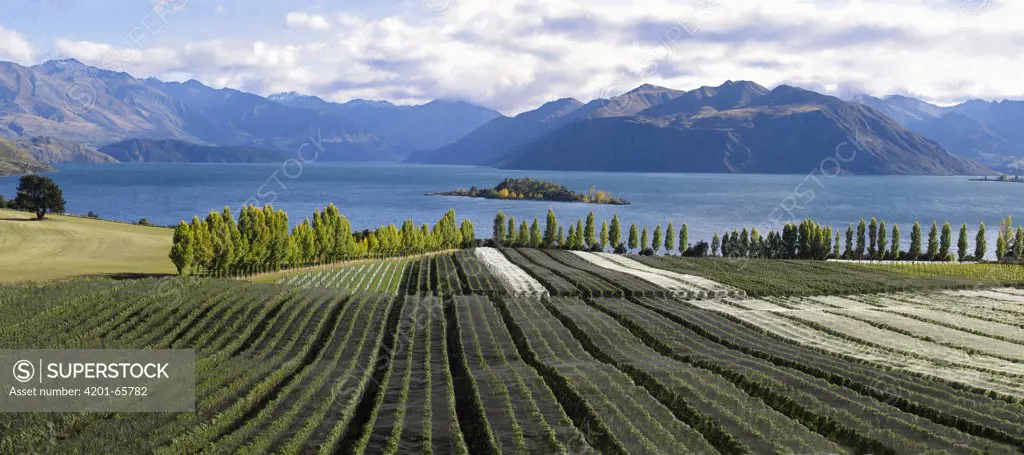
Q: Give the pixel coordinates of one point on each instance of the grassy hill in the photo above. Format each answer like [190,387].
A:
[62,247]
[14,161]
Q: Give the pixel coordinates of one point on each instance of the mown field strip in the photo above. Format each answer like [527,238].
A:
[703,287]
[517,282]
[852,417]
[632,285]
[619,415]
[707,402]
[957,369]
[578,279]
[670,285]
[523,414]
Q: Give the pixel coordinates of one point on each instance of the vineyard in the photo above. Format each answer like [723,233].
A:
[543,351]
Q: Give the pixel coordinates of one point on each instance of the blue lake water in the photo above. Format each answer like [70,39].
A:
[375,194]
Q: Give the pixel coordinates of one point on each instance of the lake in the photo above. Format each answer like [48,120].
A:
[374,194]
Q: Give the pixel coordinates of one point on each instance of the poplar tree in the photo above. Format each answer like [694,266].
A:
[523,238]
[536,239]
[883,240]
[604,235]
[615,232]
[961,244]
[550,230]
[1000,248]
[933,242]
[684,239]
[645,241]
[182,253]
[873,238]
[848,254]
[589,232]
[861,240]
[670,238]
[580,241]
[510,235]
[499,228]
[946,242]
[468,233]
[1018,244]
[570,239]
[980,244]
[915,242]
[716,244]
[561,238]
[656,241]
[894,252]
[634,237]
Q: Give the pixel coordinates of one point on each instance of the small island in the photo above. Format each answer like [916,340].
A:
[535,190]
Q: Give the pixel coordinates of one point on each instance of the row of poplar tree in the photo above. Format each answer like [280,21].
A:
[260,241]
[807,240]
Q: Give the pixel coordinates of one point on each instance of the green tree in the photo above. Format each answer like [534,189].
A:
[716,244]
[510,235]
[589,237]
[536,238]
[961,244]
[645,241]
[561,238]
[1018,244]
[915,242]
[861,240]
[570,239]
[39,195]
[836,247]
[604,235]
[616,232]
[873,238]
[684,239]
[980,244]
[203,244]
[933,242]
[499,228]
[883,240]
[634,237]
[894,252]
[945,242]
[1000,248]
[468,233]
[848,254]
[670,238]
[550,230]
[183,248]
[656,241]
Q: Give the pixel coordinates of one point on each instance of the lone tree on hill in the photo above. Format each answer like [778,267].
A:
[39,195]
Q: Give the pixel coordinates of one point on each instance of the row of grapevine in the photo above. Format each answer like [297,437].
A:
[522,412]
[726,416]
[414,411]
[517,282]
[383,277]
[447,275]
[555,284]
[859,407]
[620,416]
[586,283]
[475,276]
[630,284]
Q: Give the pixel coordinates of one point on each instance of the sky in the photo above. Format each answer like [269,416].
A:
[513,55]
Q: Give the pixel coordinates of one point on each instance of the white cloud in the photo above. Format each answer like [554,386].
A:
[301,19]
[516,54]
[14,47]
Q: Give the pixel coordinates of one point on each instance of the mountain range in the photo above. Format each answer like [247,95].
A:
[985,131]
[66,111]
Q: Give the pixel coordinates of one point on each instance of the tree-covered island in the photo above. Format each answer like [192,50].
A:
[535,190]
